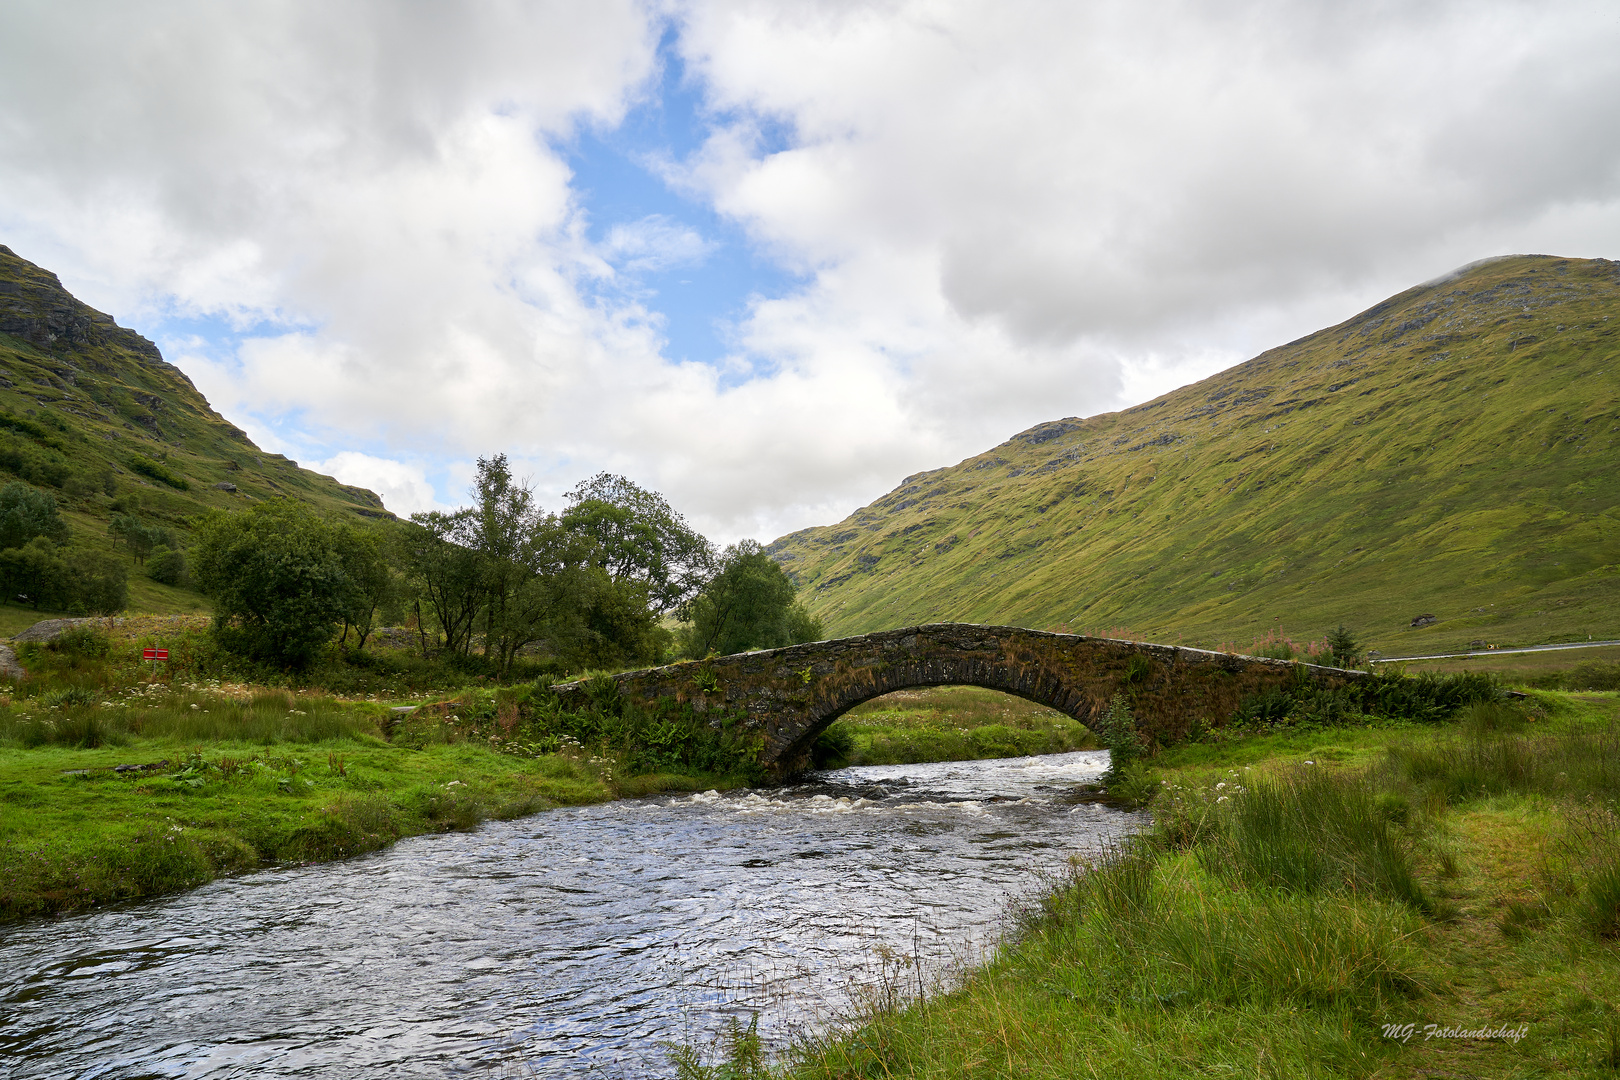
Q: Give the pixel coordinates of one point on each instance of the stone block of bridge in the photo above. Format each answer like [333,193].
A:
[789,696]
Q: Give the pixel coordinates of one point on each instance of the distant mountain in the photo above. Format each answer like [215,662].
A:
[1449,452]
[91,412]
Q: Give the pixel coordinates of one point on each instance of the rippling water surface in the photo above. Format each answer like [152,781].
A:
[569,943]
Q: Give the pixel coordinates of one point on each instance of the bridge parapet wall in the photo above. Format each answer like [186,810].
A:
[790,695]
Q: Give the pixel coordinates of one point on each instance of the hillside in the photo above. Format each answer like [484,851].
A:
[1450,451]
[92,413]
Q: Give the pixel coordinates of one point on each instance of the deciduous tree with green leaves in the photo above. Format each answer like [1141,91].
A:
[748,604]
[638,536]
[26,513]
[277,579]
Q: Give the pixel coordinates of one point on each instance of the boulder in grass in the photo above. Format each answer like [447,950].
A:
[51,629]
[1425,620]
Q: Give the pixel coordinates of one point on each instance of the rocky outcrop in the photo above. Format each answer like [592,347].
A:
[51,629]
[788,696]
[35,307]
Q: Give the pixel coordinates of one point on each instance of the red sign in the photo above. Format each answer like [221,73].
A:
[154,654]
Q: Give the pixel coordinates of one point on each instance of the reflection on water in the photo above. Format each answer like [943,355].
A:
[568,943]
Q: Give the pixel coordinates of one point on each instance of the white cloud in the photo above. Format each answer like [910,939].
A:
[654,243]
[1112,184]
[1004,213]
[404,487]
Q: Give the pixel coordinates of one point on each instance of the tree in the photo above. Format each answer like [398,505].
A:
[503,529]
[372,582]
[26,513]
[100,583]
[167,566]
[447,574]
[276,577]
[139,540]
[39,574]
[1343,647]
[749,604]
[638,536]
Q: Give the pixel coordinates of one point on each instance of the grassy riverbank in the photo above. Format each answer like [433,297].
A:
[1297,892]
[226,779]
[119,782]
[951,723]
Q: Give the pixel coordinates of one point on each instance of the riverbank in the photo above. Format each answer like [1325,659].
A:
[81,826]
[1398,901]
[114,790]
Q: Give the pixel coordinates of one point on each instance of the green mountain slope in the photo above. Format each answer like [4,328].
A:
[1451,451]
[92,413]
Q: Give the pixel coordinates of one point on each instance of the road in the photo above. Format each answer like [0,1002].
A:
[1496,652]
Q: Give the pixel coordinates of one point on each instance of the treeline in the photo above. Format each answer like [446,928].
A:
[39,570]
[617,579]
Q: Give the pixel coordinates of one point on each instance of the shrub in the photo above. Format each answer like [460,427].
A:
[167,566]
[149,468]
[36,467]
[86,641]
[1428,699]
[1119,729]
[832,747]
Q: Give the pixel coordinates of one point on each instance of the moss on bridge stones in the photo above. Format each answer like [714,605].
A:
[788,696]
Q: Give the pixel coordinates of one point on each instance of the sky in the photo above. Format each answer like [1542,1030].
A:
[769,258]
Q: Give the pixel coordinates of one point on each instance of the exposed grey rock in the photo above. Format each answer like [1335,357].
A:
[36,308]
[9,667]
[1425,620]
[51,629]
[224,485]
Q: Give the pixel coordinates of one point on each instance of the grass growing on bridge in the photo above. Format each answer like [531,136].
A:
[950,723]
[1285,907]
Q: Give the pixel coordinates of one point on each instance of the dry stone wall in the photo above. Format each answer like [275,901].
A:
[790,695]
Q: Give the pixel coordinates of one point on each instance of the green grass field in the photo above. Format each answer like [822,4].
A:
[953,723]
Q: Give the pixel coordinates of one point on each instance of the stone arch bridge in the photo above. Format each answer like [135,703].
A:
[790,695]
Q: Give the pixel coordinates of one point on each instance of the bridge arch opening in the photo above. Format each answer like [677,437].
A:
[950,722]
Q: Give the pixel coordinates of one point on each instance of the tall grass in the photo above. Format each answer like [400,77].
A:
[1309,830]
[1490,754]
[1166,930]
[153,711]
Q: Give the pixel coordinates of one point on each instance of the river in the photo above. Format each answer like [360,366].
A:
[570,943]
